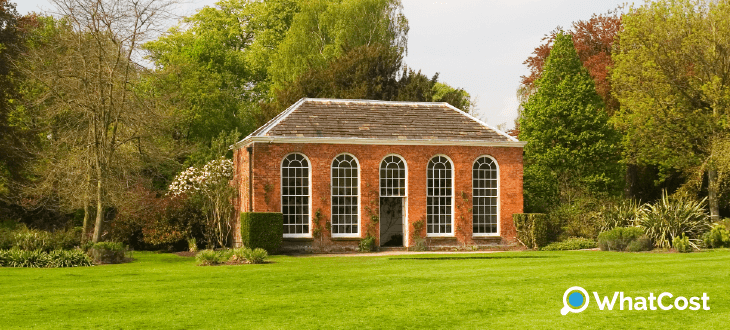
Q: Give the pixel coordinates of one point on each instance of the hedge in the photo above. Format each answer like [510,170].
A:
[262,230]
[532,229]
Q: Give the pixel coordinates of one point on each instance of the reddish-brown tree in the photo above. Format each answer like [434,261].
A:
[593,40]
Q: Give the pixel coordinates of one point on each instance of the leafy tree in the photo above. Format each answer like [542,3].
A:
[593,40]
[373,72]
[671,77]
[214,67]
[324,30]
[97,116]
[570,148]
[13,33]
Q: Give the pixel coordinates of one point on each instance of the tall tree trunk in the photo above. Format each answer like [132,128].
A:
[99,206]
[630,184]
[87,207]
[87,218]
[712,189]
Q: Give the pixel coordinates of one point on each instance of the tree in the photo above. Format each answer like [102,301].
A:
[99,117]
[324,30]
[593,40]
[374,72]
[215,65]
[570,148]
[671,78]
[13,33]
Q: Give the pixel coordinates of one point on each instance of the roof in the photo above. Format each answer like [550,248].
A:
[378,122]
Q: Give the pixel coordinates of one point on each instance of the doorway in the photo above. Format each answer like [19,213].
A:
[391,221]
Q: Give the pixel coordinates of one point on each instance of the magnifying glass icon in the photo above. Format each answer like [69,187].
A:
[575,300]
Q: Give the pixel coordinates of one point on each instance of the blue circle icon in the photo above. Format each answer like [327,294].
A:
[575,299]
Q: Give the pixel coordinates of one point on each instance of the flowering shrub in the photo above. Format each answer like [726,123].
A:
[195,180]
[211,185]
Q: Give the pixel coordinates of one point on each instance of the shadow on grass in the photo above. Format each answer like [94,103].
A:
[479,257]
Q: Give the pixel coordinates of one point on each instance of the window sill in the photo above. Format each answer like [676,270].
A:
[297,239]
[450,236]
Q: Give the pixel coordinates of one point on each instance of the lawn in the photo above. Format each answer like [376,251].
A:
[473,291]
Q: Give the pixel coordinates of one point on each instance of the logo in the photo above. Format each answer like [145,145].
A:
[575,300]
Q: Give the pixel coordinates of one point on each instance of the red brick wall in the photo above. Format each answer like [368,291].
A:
[267,158]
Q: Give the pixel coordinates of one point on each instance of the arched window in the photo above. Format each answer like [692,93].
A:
[393,177]
[485,192]
[295,197]
[439,197]
[345,196]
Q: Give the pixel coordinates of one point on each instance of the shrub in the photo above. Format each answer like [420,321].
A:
[32,240]
[23,258]
[718,237]
[6,239]
[579,219]
[621,214]
[640,244]
[212,257]
[192,245]
[367,244]
[682,244]
[206,258]
[619,238]
[41,259]
[8,224]
[255,256]
[69,258]
[66,239]
[262,230]
[572,243]
[671,217]
[532,229]
[108,252]
[153,222]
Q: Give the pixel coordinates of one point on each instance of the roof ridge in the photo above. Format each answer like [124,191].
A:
[372,101]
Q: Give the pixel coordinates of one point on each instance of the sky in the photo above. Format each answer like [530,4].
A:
[477,45]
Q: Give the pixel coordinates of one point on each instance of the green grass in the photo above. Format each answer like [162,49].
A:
[473,291]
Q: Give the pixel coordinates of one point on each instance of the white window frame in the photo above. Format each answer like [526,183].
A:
[405,181]
[332,196]
[309,191]
[499,200]
[451,215]
[406,224]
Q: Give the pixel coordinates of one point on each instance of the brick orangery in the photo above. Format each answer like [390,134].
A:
[405,173]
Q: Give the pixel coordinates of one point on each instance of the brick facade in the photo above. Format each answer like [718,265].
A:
[266,169]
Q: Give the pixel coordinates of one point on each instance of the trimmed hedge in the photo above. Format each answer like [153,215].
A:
[262,230]
[532,229]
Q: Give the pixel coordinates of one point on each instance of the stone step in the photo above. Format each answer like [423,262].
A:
[392,248]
